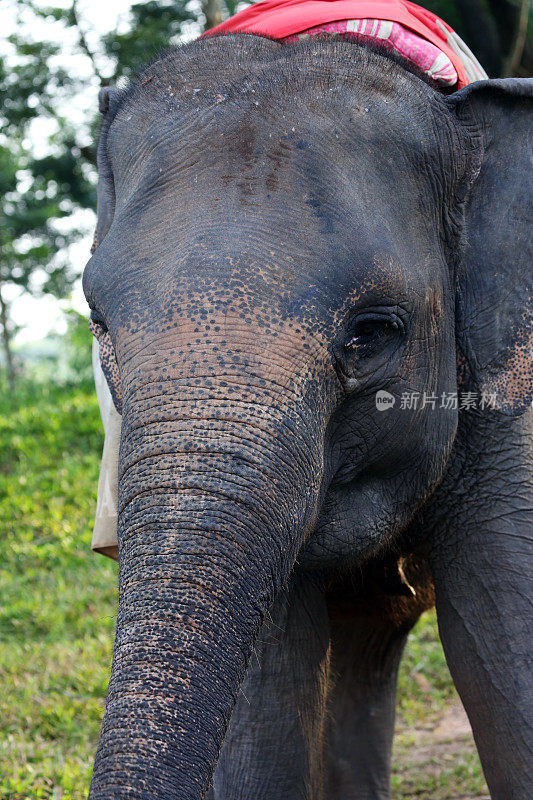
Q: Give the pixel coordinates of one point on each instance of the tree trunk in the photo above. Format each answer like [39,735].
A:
[512,62]
[6,342]
[212,11]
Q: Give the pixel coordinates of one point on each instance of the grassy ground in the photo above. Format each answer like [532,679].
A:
[57,601]
[434,753]
[57,614]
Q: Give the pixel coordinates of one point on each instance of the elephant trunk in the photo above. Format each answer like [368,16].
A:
[213,508]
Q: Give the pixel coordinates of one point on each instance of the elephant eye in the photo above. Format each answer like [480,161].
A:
[370,331]
[97,324]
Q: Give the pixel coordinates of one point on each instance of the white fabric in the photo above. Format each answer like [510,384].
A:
[473,69]
[105,524]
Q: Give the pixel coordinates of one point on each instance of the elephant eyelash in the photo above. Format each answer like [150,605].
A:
[369,331]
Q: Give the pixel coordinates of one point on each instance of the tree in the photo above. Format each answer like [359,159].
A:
[30,242]
[37,194]
[212,11]
[34,192]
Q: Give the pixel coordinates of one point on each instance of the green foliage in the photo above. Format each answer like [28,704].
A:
[153,27]
[35,193]
[77,344]
[38,194]
[27,82]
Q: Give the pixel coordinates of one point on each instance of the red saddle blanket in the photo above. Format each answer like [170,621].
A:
[417,34]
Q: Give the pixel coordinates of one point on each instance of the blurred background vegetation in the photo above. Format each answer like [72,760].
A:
[57,601]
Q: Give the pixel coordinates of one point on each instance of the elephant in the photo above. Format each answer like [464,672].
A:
[310,286]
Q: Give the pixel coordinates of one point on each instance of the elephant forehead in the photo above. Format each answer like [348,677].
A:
[240,105]
[289,218]
[325,168]
[253,149]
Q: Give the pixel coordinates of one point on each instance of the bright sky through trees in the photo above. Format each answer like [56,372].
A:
[37,317]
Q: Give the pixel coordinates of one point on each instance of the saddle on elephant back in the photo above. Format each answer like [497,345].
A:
[415,34]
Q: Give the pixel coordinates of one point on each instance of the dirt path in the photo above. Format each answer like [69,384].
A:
[438,762]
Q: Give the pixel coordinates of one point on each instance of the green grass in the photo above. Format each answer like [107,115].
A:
[57,600]
[457,775]
[58,606]
[425,686]
[425,765]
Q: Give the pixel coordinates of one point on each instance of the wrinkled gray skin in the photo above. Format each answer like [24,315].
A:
[283,230]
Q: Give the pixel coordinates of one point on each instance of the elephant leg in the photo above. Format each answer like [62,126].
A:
[274,744]
[483,566]
[366,653]
[484,590]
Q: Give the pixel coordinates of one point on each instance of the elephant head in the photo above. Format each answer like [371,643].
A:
[283,232]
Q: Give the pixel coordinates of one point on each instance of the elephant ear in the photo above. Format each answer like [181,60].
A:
[105,193]
[107,101]
[494,308]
